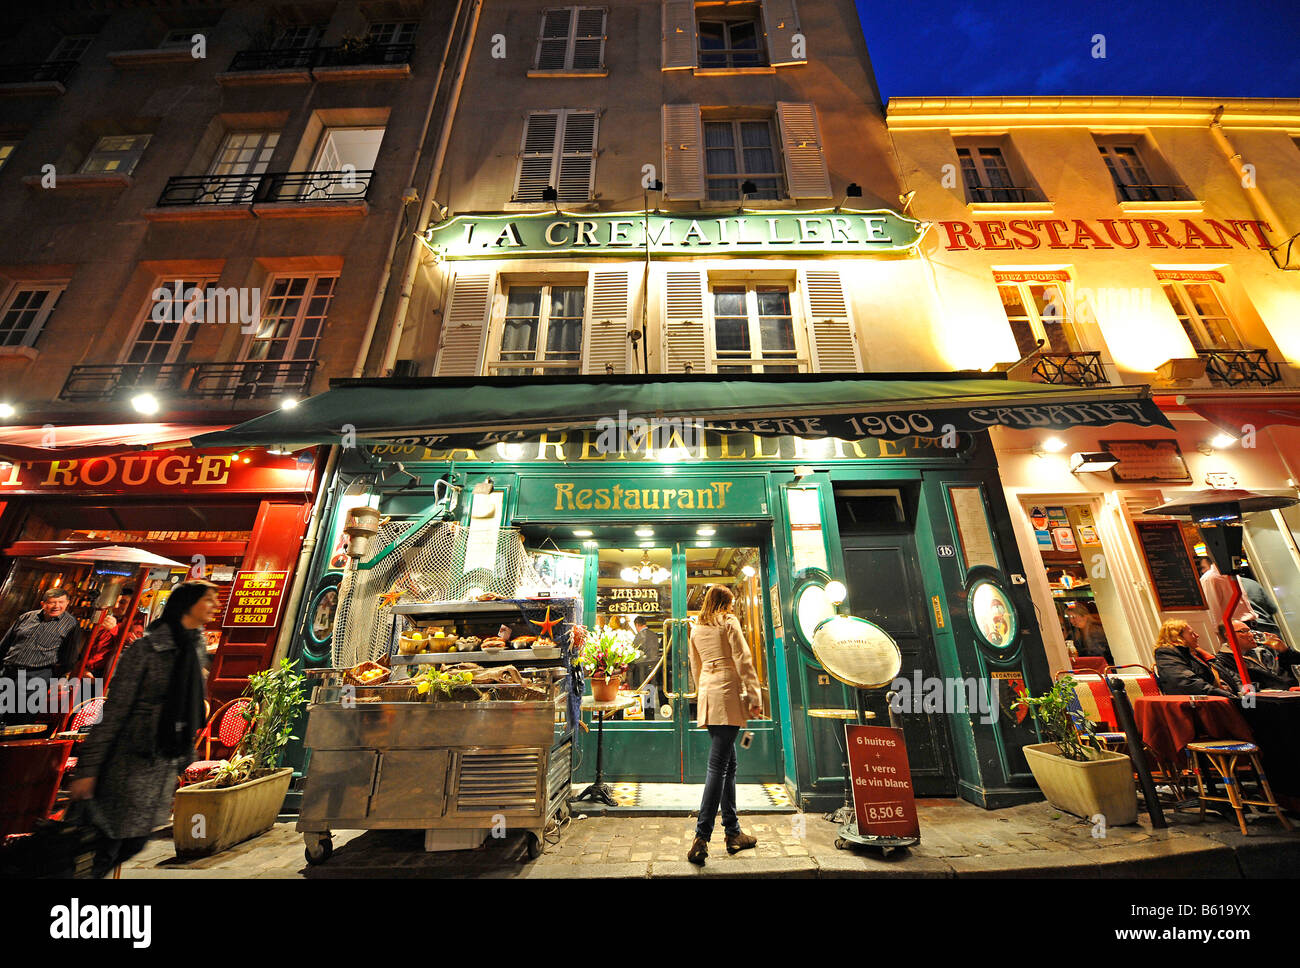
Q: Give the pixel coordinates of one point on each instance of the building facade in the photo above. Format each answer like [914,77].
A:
[1124,241]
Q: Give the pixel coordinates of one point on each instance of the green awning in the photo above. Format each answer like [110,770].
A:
[479,412]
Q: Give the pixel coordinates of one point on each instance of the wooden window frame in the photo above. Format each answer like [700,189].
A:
[727,15]
[132,155]
[738,150]
[294,335]
[32,332]
[495,366]
[756,361]
[571,43]
[1191,319]
[178,347]
[1034,317]
[557,153]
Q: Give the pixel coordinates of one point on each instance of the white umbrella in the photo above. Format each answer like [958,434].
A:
[114,553]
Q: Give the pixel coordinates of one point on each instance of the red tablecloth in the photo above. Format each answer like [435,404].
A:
[1169,723]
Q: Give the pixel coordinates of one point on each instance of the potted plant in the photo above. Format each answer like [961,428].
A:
[1073,771]
[243,796]
[606,654]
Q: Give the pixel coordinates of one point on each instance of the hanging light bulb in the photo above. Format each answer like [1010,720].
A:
[646,571]
[630,575]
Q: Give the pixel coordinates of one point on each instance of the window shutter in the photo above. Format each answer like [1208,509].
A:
[831,335]
[683,152]
[553,44]
[781,21]
[464,324]
[589,39]
[678,34]
[606,333]
[577,156]
[801,143]
[684,328]
[537,156]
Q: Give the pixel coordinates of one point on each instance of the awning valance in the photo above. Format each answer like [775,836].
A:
[50,441]
[479,412]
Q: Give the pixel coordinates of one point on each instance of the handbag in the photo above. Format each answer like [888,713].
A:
[55,849]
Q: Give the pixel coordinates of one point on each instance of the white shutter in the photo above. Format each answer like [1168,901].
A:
[464,324]
[781,21]
[589,39]
[678,34]
[606,333]
[553,42]
[832,338]
[801,144]
[577,156]
[536,156]
[684,329]
[683,152]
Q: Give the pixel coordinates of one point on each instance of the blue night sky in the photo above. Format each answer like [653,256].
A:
[1153,47]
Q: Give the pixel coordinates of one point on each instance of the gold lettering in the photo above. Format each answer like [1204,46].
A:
[13,475]
[110,467]
[562,491]
[182,474]
[632,500]
[645,498]
[706,498]
[589,447]
[547,442]
[686,499]
[726,450]
[602,499]
[758,448]
[722,487]
[212,470]
[148,462]
[584,499]
[669,497]
[57,470]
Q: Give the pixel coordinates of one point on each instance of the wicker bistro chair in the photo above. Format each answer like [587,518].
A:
[1091,701]
[230,727]
[1223,756]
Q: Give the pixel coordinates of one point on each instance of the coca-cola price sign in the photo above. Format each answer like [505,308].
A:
[882,782]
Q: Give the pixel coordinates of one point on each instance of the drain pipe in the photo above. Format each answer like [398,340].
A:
[435,175]
[1249,184]
[358,368]
[289,619]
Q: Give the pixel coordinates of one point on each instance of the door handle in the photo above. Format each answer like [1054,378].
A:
[667,658]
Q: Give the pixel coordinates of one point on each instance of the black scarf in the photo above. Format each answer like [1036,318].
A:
[182,711]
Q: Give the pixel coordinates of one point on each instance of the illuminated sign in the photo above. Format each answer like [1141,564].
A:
[1105,233]
[157,472]
[255,598]
[672,233]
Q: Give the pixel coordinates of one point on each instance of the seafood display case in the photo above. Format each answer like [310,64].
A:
[445,735]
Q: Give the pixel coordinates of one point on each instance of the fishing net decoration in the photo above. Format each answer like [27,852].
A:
[425,566]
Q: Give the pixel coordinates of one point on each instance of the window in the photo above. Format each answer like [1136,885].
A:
[753,329]
[347,155]
[1200,309]
[396,32]
[26,310]
[741,150]
[730,35]
[300,36]
[571,39]
[240,164]
[7,147]
[1037,310]
[1130,176]
[543,328]
[294,310]
[179,37]
[168,325]
[987,177]
[115,153]
[559,151]
[71,48]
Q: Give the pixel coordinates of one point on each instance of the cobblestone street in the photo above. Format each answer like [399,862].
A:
[957,839]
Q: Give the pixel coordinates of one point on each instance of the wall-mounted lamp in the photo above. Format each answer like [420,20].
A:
[1094,462]
[905,200]
[836,592]
[1220,441]
[1052,445]
[549,194]
[747,188]
[854,190]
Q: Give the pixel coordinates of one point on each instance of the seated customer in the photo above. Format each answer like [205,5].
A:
[1269,663]
[1180,668]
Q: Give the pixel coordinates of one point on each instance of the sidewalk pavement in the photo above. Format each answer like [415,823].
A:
[958,839]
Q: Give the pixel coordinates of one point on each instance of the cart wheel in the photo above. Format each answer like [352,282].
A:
[886,851]
[319,851]
[534,845]
[841,843]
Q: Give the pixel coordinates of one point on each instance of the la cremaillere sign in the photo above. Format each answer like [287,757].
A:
[676,233]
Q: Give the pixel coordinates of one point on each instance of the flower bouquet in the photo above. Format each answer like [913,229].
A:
[605,655]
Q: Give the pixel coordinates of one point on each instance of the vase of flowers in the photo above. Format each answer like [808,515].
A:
[606,653]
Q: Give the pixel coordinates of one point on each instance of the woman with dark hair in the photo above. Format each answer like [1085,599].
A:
[129,763]
[729,695]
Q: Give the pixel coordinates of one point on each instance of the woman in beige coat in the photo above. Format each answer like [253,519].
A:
[729,695]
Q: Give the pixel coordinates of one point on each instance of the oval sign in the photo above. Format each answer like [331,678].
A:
[856,652]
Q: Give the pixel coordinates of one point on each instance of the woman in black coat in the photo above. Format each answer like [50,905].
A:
[1180,670]
[128,766]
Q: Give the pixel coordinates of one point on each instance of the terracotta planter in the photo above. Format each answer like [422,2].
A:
[1101,785]
[605,689]
[208,819]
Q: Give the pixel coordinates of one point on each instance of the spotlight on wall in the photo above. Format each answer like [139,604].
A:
[836,592]
[549,194]
[288,403]
[1094,462]
[1052,445]
[145,403]
[7,410]
[905,200]
[854,190]
[747,188]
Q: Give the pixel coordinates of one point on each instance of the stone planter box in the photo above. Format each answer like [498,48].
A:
[208,819]
[1101,785]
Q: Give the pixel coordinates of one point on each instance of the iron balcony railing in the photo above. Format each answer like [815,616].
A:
[1236,368]
[1151,193]
[1082,369]
[990,193]
[209,381]
[306,58]
[271,186]
[37,71]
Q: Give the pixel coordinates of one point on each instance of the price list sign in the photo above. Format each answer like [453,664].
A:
[255,598]
[882,782]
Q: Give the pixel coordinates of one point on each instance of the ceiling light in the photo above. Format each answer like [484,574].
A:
[145,403]
[288,403]
[1094,462]
[582,533]
[836,592]
[748,571]
[708,531]
[7,410]
[629,575]
[1222,441]
[645,532]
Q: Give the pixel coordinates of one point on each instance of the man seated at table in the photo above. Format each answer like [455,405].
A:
[1269,663]
[1181,669]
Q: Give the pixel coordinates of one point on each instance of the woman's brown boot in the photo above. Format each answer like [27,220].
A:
[740,841]
[699,850]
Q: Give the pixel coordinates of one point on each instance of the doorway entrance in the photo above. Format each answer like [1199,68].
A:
[655,590]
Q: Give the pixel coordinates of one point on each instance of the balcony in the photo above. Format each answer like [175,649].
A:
[978,194]
[36,77]
[1151,193]
[1069,369]
[101,383]
[346,61]
[301,187]
[1240,368]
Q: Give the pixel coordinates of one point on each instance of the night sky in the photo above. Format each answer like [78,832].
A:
[1153,47]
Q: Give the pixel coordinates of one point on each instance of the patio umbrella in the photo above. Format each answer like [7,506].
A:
[132,556]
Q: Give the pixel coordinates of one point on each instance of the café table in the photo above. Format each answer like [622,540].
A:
[1274,718]
[22,730]
[598,790]
[1169,723]
[31,769]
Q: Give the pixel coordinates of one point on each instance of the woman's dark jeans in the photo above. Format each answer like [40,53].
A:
[720,785]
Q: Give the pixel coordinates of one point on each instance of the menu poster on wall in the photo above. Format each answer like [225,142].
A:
[973,527]
[807,545]
[484,531]
[560,572]
[255,599]
[1173,574]
[1144,461]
